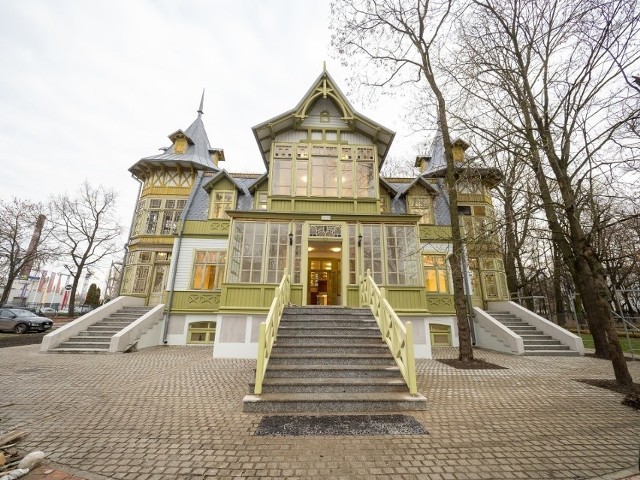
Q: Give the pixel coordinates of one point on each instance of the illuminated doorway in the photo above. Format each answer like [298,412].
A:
[324,279]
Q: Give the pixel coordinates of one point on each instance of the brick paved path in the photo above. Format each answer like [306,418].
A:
[175,412]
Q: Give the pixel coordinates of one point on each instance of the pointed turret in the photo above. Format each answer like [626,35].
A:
[189,149]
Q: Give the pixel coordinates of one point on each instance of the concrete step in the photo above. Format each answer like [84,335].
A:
[86,345]
[526,330]
[316,310]
[110,332]
[542,341]
[324,330]
[332,323]
[324,348]
[334,402]
[98,327]
[278,358]
[77,350]
[90,338]
[546,347]
[536,337]
[331,385]
[119,321]
[289,340]
[551,353]
[342,371]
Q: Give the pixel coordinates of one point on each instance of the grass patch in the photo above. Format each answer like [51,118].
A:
[587,340]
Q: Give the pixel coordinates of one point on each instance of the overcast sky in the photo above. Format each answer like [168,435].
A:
[90,87]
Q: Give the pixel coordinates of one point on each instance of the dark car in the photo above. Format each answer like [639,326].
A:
[18,320]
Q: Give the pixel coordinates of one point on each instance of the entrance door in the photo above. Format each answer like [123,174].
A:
[324,277]
[158,284]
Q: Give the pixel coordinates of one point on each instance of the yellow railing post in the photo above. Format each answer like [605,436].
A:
[260,366]
[411,361]
[397,336]
[269,329]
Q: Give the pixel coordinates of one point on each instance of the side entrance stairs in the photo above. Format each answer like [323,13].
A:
[97,337]
[331,359]
[535,341]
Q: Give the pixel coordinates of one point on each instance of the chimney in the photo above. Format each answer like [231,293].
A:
[217,155]
[33,246]
[458,147]
[422,162]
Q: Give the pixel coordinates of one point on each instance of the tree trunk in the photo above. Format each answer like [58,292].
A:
[557,288]
[7,290]
[510,240]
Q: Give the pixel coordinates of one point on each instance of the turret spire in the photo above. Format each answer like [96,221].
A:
[200,110]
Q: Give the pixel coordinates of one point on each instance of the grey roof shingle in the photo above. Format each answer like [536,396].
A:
[198,154]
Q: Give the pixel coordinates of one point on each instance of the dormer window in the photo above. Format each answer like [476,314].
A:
[180,146]
[325,117]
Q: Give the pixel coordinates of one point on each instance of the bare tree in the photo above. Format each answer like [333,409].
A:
[24,240]
[87,230]
[559,71]
[403,40]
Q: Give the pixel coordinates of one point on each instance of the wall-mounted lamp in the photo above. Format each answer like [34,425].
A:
[360,240]
[291,239]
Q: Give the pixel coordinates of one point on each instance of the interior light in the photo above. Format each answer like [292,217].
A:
[335,249]
[310,249]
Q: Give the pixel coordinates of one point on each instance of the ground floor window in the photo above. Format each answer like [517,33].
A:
[208,269]
[440,335]
[201,332]
[436,275]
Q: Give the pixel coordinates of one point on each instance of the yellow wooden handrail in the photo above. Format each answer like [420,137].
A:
[397,336]
[269,329]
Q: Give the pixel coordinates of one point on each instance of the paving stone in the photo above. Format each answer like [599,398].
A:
[160,411]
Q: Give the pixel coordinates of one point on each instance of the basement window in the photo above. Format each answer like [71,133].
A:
[201,333]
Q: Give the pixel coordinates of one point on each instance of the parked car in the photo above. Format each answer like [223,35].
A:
[18,320]
[46,311]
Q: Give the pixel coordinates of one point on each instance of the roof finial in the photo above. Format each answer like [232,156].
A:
[200,111]
[324,66]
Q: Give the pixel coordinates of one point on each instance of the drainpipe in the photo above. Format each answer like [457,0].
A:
[174,260]
[126,246]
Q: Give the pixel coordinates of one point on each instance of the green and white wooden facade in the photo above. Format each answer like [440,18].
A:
[212,245]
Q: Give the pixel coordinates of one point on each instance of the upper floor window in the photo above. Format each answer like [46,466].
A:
[477,221]
[325,117]
[384,204]
[323,171]
[260,201]
[157,216]
[422,205]
[208,269]
[221,202]
[180,145]
[471,186]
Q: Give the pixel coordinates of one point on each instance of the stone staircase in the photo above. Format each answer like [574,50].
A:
[535,341]
[331,359]
[97,338]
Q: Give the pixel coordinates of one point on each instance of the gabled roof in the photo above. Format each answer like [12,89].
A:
[197,156]
[259,181]
[388,186]
[419,180]
[208,186]
[323,87]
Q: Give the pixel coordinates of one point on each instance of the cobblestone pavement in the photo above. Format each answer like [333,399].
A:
[176,412]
